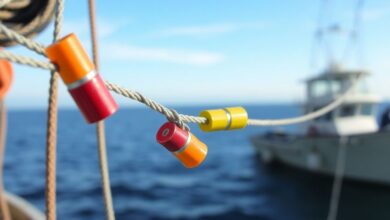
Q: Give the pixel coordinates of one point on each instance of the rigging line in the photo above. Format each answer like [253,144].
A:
[30,44]
[338,178]
[317,36]
[4,54]
[325,31]
[51,135]
[188,118]
[354,35]
[100,130]
[254,122]
[4,209]
[172,116]
[310,116]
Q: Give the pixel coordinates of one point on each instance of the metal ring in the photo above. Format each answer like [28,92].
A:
[82,81]
[229,119]
[185,145]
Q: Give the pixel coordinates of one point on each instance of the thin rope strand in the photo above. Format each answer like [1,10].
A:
[30,44]
[186,118]
[100,130]
[26,60]
[4,209]
[310,116]
[338,178]
[51,138]
[182,119]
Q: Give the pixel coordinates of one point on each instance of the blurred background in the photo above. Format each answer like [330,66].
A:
[194,55]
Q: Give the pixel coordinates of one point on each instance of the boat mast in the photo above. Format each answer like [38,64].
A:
[328,29]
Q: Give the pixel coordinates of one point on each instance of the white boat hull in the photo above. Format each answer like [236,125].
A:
[367,156]
[20,209]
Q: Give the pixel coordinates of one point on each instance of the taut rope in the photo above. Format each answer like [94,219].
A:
[4,209]
[100,131]
[51,136]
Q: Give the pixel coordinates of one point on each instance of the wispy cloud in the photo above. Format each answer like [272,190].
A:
[106,27]
[374,14]
[208,30]
[129,52]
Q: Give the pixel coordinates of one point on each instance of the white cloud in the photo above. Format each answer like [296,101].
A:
[105,27]
[375,14]
[118,51]
[208,30]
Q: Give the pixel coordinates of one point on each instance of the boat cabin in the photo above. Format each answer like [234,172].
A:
[357,115]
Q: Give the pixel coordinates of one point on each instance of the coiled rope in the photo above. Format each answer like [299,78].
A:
[26,17]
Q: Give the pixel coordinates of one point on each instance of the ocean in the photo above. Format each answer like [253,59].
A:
[149,183]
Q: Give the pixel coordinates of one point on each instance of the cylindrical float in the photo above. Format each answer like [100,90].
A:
[224,119]
[6,77]
[185,146]
[84,84]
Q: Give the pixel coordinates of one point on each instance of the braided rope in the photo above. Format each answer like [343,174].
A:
[187,118]
[100,129]
[4,208]
[26,60]
[30,44]
[51,138]
[180,119]
[169,113]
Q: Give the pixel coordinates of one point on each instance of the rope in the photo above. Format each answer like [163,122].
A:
[4,209]
[171,114]
[182,119]
[254,122]
[51,138]
[26,60]
[4,2]
[100,131]
[26,17]
[355,35]
[338,179]
[20,39]
[310,116]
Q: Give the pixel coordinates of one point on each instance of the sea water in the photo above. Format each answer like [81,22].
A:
[149,183]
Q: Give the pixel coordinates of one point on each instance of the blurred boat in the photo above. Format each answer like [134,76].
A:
[20,209]
[353,125]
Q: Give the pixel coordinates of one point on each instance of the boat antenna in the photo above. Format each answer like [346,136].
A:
[326,28]
[354,40]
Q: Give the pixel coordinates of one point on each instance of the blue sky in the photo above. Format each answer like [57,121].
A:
[203,52]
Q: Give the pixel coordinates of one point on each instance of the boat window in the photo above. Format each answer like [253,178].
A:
[347,110]
[335,86]
[319,88]
[367,109]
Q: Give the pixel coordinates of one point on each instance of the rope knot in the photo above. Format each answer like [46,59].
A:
[175,118]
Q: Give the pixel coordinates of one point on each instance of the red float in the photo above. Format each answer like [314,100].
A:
[94,100]
[184,146]
[84,84]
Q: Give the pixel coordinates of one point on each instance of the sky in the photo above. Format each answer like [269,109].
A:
[212,51]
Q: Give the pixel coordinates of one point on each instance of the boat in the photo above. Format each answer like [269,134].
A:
[20,209]
[352,125]
[347,141]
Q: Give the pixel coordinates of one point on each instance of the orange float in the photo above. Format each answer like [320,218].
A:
[188,149]
[6,77]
